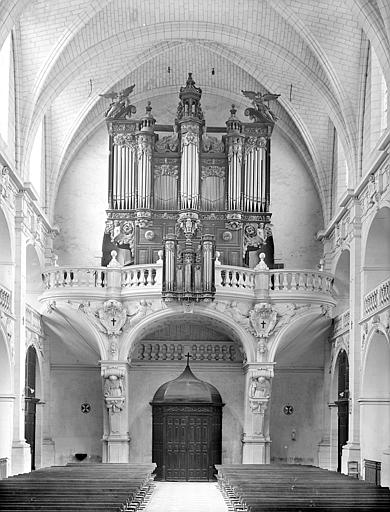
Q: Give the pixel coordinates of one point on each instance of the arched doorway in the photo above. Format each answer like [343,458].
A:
[31,400]
[342,404]
[187,429]
[375,409]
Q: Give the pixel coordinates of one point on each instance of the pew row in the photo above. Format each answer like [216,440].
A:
[272,487]
[82,487]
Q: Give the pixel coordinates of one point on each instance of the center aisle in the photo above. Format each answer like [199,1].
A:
[186,497]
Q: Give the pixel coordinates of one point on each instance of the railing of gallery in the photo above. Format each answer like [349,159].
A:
[32,319]
[341,322]
[278,280]
[149,277]
[5,299]
[377,298]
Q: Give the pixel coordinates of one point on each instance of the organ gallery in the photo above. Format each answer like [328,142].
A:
[195,245]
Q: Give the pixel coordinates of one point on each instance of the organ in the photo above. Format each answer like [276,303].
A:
[191,192]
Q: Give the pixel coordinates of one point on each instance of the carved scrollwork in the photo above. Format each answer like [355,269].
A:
[167,170]
[212,171]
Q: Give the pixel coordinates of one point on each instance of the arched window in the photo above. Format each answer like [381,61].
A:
[5,60]
[378,100]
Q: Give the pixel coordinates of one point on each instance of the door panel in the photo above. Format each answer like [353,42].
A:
[186,442]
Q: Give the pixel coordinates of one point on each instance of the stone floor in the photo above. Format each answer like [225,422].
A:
[186,497]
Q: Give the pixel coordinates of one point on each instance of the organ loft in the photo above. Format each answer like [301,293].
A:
[200,194]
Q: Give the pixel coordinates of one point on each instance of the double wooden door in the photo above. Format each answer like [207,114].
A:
[186,442]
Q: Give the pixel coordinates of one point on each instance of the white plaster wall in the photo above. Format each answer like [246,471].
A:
[72,431]
[144,382]
[82,198]
[81,204]
[295,207]
[303,391]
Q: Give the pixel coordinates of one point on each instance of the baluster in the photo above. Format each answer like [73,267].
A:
[123,278]
[294,284]
[285,281]
[277,283]
[302,281]
[150,277]
[234,279]
[241,280]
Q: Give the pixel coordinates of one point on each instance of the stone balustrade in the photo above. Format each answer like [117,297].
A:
[234,277]
[142,276]
[33,319]
[377,299]
[301,280]
[75,277]
[341,322]
[229,281]
[5,299]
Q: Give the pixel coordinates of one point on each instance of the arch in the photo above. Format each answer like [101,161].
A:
[6,252]
[375,400]
[226,324]
[34,268]
[377,254]
[342,282]
[340,397]
[310,320]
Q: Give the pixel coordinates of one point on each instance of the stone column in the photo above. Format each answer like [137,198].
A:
[256,439]
[116,439]
[21,452]
[351,451]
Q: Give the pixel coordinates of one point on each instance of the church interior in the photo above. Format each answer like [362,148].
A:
[195,237]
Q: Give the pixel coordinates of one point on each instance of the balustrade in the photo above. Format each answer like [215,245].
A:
[300,280]
[227,279]
[234,277]
[32,319]
[5,299]
[341,322]
[141,276]
[377,299]
[75,277]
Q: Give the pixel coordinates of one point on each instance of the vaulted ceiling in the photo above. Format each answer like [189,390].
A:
[313,53]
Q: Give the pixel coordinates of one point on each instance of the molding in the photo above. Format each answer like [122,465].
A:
[232,367]
[374,401]
[76,367]
[286,369]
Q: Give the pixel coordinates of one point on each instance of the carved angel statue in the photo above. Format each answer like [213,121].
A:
[261,112]
[120,106]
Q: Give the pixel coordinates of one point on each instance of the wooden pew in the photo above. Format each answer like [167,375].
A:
[79,487]
[262,488]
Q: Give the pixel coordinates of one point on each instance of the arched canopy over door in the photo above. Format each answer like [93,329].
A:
[187,428]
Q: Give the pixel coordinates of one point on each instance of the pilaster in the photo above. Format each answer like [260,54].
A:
[116,439]
[351,451]
[256,439]
[21,454]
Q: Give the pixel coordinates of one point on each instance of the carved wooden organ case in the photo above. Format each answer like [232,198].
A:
[189,193]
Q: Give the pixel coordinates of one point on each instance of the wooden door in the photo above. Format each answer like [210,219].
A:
[186,441]
[187,447]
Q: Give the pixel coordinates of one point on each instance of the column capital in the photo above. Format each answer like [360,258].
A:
[263,369]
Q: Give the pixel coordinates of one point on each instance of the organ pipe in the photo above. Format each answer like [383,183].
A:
[189,170]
